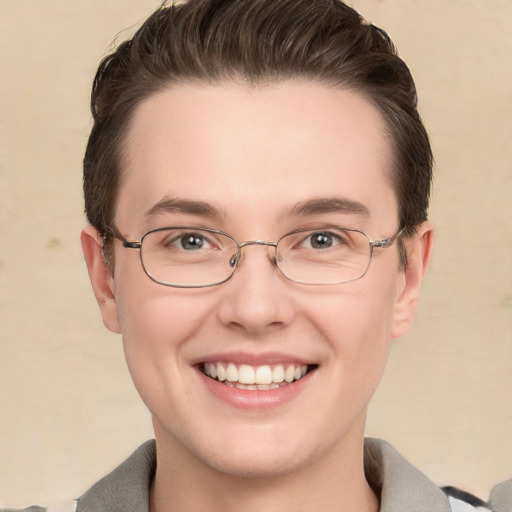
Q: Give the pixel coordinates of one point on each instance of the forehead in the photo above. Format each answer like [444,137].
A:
[255,150]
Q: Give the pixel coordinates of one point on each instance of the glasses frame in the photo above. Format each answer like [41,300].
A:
[235,260]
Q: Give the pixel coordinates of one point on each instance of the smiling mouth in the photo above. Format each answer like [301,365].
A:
[262,378]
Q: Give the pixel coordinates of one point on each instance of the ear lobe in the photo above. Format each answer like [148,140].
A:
[101,278]
[419,250]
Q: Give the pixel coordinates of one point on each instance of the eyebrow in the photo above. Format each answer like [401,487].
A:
[328,205]
[307,208]
[172,204]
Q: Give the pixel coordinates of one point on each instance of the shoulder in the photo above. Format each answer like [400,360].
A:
[462,501]
[500,499]
[126,489]
[402,487]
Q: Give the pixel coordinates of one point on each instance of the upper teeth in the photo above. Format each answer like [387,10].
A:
[246,374]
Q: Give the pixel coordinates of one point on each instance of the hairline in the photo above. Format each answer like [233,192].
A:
[122,149]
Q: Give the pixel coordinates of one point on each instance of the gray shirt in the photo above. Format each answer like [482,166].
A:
[400,486]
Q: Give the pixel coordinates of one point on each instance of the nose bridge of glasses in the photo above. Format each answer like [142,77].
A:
[257,242]
[237,258]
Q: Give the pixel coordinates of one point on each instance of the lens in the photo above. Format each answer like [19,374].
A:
[188,257]
[326,256]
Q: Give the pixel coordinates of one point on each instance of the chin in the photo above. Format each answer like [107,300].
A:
[260,464]
[262,452]
[250,451]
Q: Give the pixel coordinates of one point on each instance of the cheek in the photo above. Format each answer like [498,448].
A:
[156,332]
[155,322]
[152,316]
[357,319]
[357,324]
[157,325]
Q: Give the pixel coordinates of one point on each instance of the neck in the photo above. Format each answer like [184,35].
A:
[335,482]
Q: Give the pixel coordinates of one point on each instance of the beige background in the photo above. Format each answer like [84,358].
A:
[68,411]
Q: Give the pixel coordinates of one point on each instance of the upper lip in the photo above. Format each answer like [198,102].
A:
[253,359]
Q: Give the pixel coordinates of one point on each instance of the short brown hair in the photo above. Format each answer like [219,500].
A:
[257,42]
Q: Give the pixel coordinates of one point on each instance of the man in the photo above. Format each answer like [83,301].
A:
[257,182]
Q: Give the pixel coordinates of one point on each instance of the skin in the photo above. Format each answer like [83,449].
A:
[253,154]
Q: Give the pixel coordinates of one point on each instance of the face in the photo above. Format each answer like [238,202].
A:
[252,155]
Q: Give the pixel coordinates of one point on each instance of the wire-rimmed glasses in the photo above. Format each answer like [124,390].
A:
[190,257]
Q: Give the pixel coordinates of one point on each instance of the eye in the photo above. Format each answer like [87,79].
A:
[192,241]
[188,241]
[321,240]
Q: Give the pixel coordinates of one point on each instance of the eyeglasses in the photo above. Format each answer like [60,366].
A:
[189,257]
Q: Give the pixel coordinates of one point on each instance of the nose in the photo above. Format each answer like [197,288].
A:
[257,298]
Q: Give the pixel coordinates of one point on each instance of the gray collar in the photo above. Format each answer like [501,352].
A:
[126,489]
[401,487]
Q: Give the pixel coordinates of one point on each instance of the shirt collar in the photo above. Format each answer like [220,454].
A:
[401,487]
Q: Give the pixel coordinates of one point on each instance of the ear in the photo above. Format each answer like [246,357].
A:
[101,278]
[419,250]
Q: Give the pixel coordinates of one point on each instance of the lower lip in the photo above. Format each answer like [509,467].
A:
[254,399]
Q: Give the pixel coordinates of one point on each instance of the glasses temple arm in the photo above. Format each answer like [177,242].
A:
[388,241]
[126,243]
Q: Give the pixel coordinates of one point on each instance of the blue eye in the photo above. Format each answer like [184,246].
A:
[191,241]
[186,241]
[321,240]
